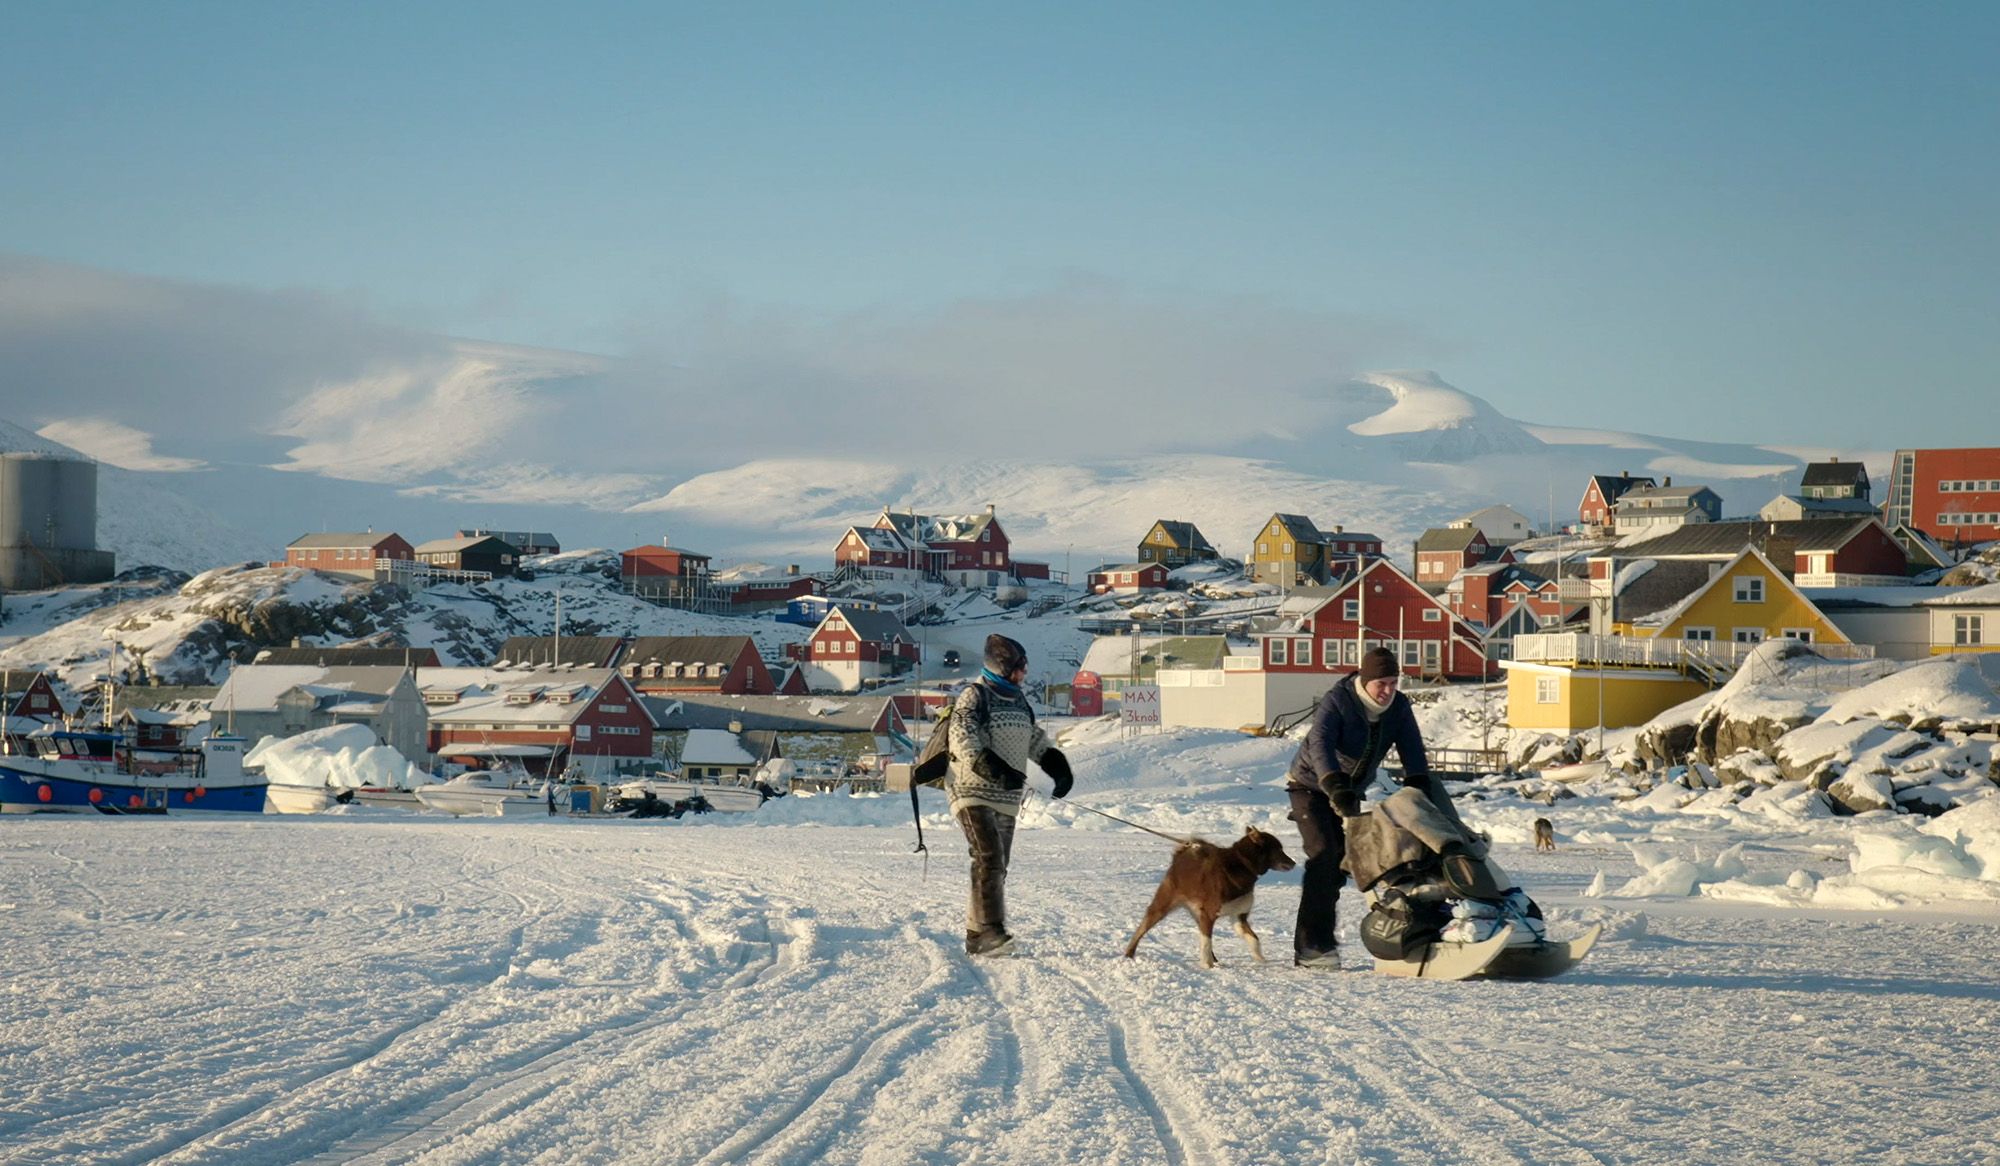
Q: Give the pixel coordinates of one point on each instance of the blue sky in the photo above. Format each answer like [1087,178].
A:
[1763,222]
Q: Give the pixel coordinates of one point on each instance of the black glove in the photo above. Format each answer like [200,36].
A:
[1057,767]
[992,768]
[1346,803]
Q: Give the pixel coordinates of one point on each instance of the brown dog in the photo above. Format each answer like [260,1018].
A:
[1545,835]
[1214,883]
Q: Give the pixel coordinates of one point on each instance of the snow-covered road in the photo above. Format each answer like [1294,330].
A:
[374,987]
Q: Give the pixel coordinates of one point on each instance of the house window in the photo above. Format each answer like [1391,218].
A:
[1802,635]
[1749,635]
[1548,690]
[1302,652]
[1966,630]
[1409,653]
[1749,588]
[1329,652]
[1285,549]
[1263,548]
[1430,655]
[1278,651]
[1433,615]
[1703,635]
[1348,653]
[1350,609]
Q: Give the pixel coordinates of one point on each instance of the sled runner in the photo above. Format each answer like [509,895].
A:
[1541,961]
[1438,907]
[1448,961]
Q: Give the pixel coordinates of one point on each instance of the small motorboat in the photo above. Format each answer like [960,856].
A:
[487,793]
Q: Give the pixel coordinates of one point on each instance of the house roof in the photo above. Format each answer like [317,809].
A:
[518,539]
[340,539]
[782,714]
[876,627]
[484,694]
[929,528]
[1109,567]
[686,649]
[715,747]
[1183,534]
[1835,473]
[1300,528]
[1612,485]
[1659,497]
[257,687]
[1113,656]
[582,651]
[1724,539]
[462,543]
[1447,538]
[341,656]
[877,538]
[657,549]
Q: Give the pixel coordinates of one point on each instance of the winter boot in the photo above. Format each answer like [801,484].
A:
[1321,961]
[992,941]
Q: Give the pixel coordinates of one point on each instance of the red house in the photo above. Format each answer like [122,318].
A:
[1442,552]
[852,646]
[27,708]
[1483,595]
[546,717]
[669,576]
[1398,614]
[726,664]
[1855,554]
[1602,492]
[1127,578]
[347,553]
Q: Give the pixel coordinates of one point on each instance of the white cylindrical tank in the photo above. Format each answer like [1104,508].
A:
[76,505]
[28,493]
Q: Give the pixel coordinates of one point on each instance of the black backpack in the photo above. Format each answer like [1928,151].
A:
[934,760]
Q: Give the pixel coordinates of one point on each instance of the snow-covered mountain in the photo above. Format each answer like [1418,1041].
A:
[1389,452]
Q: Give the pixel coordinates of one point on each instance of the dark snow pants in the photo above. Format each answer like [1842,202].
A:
[989,834]
[1326,848]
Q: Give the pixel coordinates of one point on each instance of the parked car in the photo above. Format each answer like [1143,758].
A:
[951,657]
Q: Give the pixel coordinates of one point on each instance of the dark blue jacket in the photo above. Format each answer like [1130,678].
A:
[1335,756]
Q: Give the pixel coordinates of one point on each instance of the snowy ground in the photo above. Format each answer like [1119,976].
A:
[787,987]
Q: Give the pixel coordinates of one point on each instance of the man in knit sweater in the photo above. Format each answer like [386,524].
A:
[993,737]
[1353,727]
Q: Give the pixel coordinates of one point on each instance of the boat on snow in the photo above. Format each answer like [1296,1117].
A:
[487,793]
[81,771]
[733,799]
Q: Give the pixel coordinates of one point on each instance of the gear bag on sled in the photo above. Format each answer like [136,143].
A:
[1429,881]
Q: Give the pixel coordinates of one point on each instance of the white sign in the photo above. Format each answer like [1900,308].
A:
[1139,704]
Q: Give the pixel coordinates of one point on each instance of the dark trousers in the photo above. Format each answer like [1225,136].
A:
[989,834]
[1326,847]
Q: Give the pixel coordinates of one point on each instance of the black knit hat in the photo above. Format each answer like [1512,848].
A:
[1378,664]
[1005,656]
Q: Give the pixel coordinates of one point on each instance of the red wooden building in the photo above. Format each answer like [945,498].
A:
[1127,578]
[347,552]
[563,714]
[1330,636]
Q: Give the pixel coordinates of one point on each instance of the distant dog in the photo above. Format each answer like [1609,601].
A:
[1212,883]
[1545,835]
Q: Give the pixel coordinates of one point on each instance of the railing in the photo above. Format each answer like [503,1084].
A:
[1707,657]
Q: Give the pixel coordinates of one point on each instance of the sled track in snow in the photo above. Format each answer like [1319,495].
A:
[1175,1142]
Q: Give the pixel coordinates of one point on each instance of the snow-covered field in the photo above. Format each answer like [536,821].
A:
[787,987]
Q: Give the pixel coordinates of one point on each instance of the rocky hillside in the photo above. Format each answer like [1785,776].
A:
[184,630]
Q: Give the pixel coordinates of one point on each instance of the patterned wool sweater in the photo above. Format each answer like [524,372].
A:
[1008,728]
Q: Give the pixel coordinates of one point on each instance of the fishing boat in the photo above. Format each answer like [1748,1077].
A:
[1579,771]
[488,793]
[80,771]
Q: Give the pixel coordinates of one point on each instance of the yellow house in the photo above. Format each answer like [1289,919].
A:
[1747,602]
[1288,550]
[1568,682]
[1575,695]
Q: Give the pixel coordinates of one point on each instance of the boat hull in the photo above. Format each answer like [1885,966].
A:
[301,799]
[729,799]
[483,803]
[32,787]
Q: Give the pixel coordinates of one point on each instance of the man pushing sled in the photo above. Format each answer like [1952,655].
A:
[1438,907]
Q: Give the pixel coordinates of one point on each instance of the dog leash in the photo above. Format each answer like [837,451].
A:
[1136,826]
